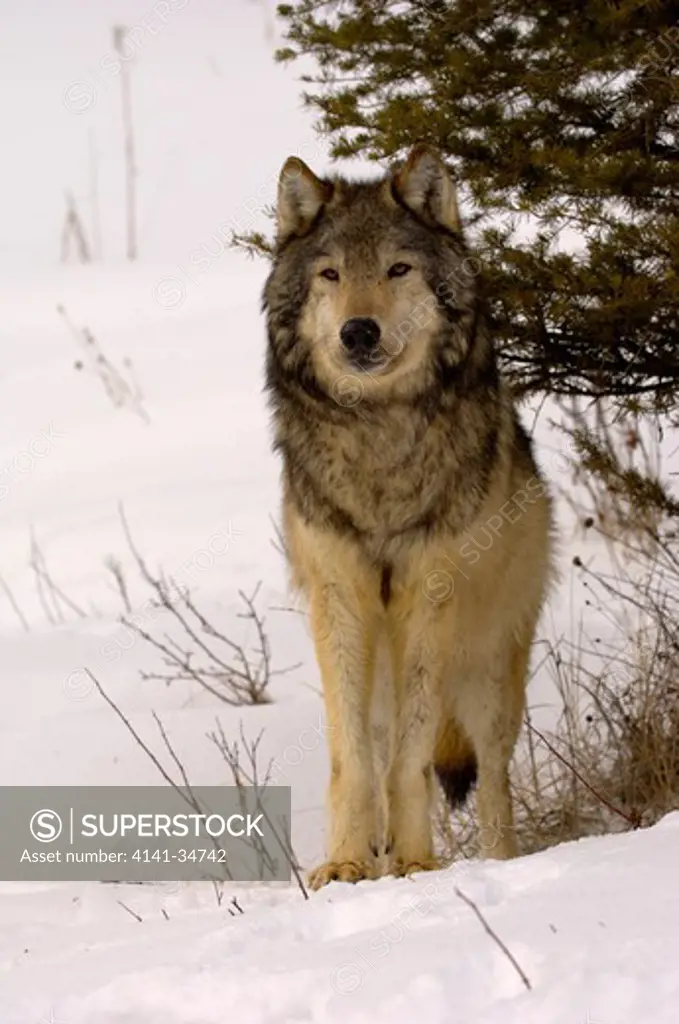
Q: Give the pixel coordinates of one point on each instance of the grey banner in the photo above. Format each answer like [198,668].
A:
[144,833]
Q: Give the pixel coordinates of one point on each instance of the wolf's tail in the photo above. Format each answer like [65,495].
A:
[454,762]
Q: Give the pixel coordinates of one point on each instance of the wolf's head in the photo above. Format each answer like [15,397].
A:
[371,279]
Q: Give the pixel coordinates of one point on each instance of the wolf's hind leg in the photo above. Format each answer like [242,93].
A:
[492,710]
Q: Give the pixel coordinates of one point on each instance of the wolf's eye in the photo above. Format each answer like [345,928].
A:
[330,274]
[399,270]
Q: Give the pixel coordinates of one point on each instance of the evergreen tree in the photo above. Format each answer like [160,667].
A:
[560,121]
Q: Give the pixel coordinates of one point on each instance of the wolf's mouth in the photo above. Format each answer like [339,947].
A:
[374,363]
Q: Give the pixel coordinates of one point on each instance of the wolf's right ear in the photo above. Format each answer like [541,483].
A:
[300,197]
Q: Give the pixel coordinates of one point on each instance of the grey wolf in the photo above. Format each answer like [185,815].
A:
[392,485]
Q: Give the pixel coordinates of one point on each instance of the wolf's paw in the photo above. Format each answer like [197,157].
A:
[401,868]
[340,871]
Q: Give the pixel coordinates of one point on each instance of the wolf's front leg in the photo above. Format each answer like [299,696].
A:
[344,636]
[411,781]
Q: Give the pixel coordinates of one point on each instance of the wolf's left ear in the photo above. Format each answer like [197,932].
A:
[424,186]
[300,197]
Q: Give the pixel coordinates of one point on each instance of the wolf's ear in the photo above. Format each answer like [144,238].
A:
[424,186]
[300,197]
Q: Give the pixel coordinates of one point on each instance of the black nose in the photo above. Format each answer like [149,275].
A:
[360,336]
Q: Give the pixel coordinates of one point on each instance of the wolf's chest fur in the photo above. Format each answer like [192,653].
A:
[383,477]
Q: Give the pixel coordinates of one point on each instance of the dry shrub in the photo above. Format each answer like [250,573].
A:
[201,653]
[612,761]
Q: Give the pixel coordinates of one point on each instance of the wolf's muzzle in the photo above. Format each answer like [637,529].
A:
[360,337]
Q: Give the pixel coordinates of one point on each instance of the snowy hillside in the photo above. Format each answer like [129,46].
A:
[186,451]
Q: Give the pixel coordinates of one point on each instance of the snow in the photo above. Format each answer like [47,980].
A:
[594,925]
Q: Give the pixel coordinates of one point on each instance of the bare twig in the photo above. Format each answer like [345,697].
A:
[13,602]
[116,569]
[121,392]
[634,822]
[249,776]
[73,230]
[219,891]
[132,913]
[131,729]
[43,576]
[496,938]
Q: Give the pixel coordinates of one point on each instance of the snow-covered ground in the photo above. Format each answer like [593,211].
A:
[594,926]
